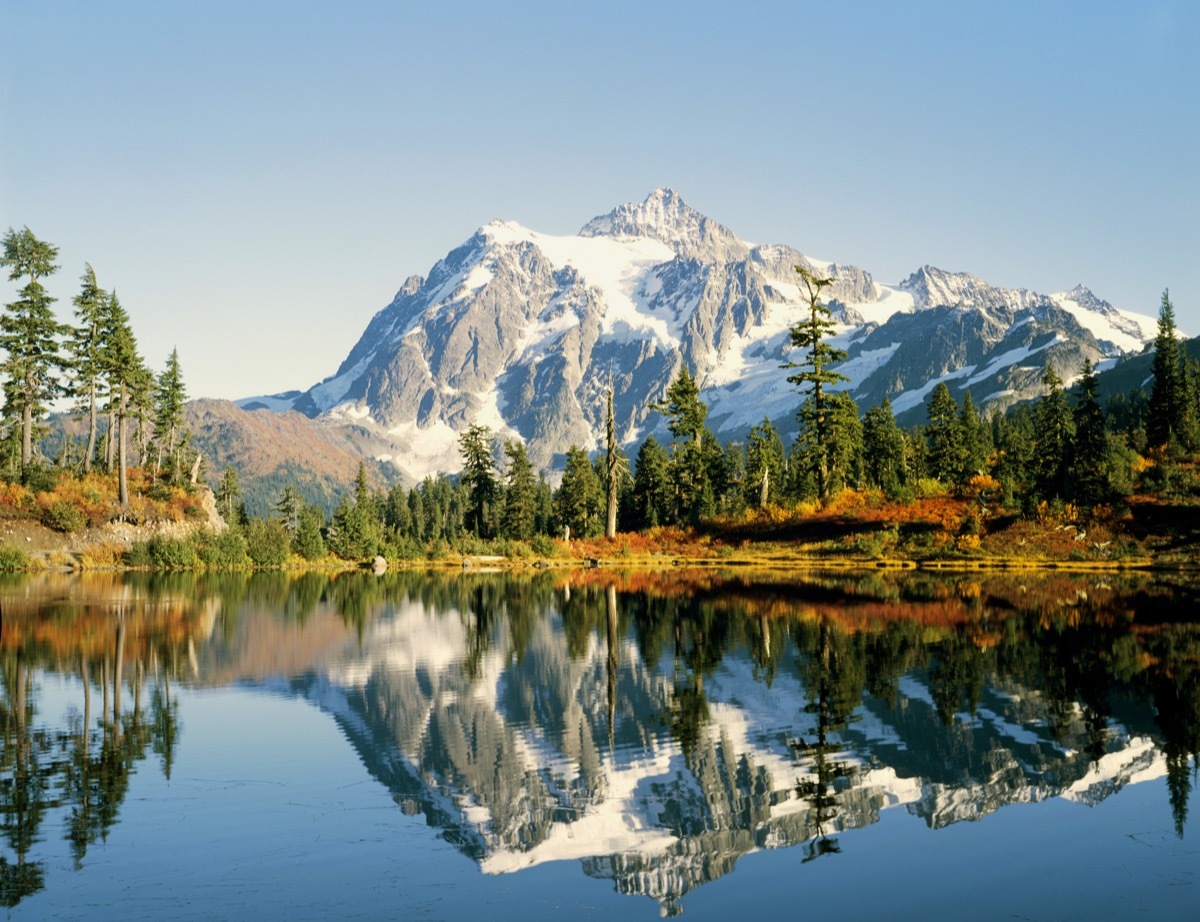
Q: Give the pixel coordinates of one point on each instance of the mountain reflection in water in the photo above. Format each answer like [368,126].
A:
[653,727]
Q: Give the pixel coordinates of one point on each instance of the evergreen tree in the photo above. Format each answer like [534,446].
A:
[1090,463]
[29,333]
[398,513]
[765,458]
[944,436]
[128,378]
[308,541]
[478,479]
[883,450]
[973,442]
[1054,429]
[1171,416]
[85,349]
[228,495]
[289,507]
[416,511]
[520,494]
[1013,436]
[169,399]
[578,502]
[823,465]
[689,468]
[821,422]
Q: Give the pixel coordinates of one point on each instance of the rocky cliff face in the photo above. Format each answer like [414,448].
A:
[524,332]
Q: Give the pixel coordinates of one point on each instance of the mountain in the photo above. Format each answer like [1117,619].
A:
[524,332]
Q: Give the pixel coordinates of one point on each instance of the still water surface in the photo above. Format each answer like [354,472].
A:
[599,745]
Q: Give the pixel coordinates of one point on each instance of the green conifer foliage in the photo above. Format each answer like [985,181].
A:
[944,436]
[520,494]
[579,500]
[29,334]
[652,490]
[824,424]
[1054,429]
[478,480]
[883,450]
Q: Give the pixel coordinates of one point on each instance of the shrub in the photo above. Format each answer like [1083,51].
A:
[268,543]
[13,558]
[138,555]
[171,553]
[65,517]
[545,546]
[226,549]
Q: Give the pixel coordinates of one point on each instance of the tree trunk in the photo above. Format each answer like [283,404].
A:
[610,526]
[91,445]
[123,482]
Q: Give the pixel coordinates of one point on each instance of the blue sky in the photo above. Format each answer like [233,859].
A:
[257,179]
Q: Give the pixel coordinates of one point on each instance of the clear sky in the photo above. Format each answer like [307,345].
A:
[256,179]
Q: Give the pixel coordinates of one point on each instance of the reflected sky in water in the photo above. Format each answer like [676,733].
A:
[598,744]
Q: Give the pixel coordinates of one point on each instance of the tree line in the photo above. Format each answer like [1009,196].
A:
[129,415]
[1066,447]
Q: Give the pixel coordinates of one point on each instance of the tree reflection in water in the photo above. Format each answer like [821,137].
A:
[710,715]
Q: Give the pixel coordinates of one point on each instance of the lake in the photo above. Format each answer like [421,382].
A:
[599,744]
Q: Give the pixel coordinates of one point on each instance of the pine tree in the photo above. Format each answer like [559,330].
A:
[944,436]
[128,378]
[883,450]
[1090,463]
[29,333]
[973,447]
[1054,429]
[228,495]
[651,486]
[764,464]
[288,507]
[478,479]
[689,471]
[818,418]
[85,347]
[308,541]
[1171,417]
[170,396]
[577,504]
[520,494]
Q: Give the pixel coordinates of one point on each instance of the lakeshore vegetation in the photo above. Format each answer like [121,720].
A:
[1063,478]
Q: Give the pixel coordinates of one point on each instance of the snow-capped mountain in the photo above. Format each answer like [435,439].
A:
[524,332]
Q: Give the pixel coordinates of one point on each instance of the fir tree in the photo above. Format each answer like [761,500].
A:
[883,450]
[689,470]
[764,464]
[577,503]
[127,379]
[1089,480]
[308,541]
[478,479]
[288,507]
[1053,431]
[820,421]
[29,333]
[652,489]
[1171,416]
[973,446]
[228,495]
[85,349]
[520,493]
[944,436]
[169,399]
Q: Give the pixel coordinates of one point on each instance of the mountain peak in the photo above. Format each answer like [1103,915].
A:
[666,217]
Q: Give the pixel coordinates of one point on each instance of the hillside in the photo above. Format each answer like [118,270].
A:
[272,450]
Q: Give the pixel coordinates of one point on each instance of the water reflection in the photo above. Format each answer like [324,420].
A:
[653,727]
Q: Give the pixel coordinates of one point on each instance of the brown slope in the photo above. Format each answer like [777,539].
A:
[269,450]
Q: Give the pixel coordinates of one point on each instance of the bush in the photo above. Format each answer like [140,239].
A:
[171,553]
[545,546]
[226,549]
[268,543]
[13,558]
[65,517]
[138,555]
